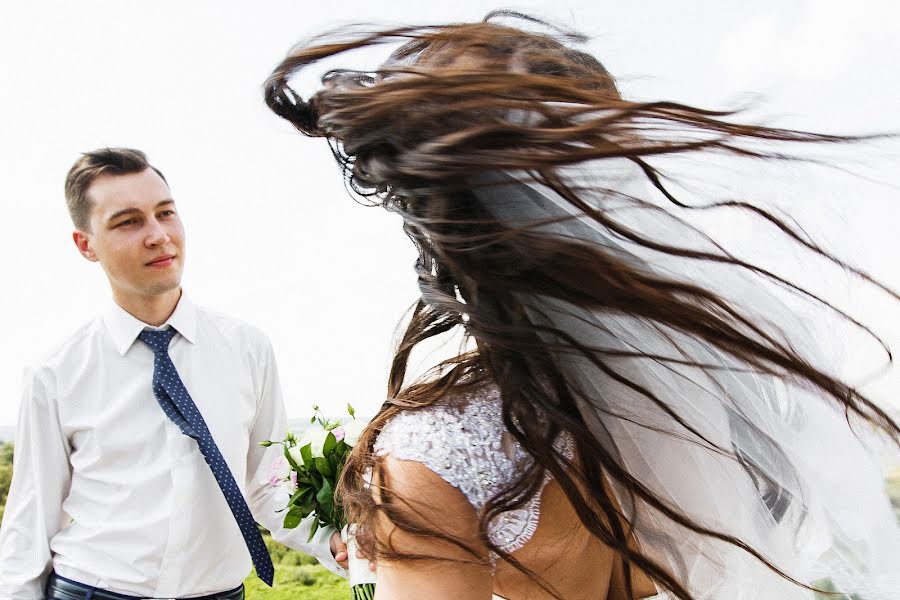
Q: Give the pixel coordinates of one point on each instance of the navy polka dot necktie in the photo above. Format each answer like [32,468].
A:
[178,406]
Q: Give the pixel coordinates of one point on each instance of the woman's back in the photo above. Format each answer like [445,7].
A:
[447,461]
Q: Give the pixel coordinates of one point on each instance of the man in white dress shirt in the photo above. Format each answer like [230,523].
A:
[109,498]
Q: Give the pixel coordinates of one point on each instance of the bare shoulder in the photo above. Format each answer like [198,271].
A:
[431,520]
[425,499]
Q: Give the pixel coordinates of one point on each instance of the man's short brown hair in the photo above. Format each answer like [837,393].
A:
[109,161]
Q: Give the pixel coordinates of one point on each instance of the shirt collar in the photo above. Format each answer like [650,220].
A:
[125,327]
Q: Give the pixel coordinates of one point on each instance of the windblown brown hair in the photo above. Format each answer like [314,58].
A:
[459,101]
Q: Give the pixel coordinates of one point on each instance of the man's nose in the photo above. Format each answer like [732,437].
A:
[157,235]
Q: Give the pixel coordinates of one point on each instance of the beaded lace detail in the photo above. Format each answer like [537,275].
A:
[463,439]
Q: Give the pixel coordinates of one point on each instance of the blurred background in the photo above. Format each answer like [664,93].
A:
[272,235]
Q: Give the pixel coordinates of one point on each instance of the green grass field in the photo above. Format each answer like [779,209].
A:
[297,576]
[293,582]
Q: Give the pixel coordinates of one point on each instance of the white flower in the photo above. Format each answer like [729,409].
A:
[352,430]
[295,454]
[316,440]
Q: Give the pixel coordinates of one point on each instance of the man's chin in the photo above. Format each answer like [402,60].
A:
[164,287]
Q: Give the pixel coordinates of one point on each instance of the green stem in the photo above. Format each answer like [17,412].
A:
[364,591]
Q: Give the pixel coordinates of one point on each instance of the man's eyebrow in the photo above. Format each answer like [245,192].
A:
[127,211]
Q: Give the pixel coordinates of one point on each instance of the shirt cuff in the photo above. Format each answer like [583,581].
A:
[319,546]
[323,535]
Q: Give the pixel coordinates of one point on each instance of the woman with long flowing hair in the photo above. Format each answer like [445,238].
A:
[636,409]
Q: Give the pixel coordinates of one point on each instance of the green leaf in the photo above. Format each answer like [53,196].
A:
[293,517]
[312,530]
[300,494]
[330,443]
[351,411]
[341,448]
[316,478]
[308,504]
[326,498]
[323,467]
[312,419]
[290,459]
[334,461]
[306,453]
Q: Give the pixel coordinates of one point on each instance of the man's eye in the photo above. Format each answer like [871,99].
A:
[125,222]
[167,213]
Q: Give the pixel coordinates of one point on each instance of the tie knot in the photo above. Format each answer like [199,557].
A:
[158,340]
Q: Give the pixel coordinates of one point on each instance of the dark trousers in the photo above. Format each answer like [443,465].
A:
[61,588]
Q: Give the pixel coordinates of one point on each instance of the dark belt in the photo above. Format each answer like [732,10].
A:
[61,588]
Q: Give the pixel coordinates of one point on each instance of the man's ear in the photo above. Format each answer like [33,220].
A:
[83,243]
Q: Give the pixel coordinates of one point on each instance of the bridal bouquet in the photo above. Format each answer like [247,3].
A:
[310,469]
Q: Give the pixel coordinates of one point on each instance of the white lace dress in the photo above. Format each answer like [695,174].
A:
[463,440]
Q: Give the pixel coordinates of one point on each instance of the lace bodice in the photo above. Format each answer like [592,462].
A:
[463,439]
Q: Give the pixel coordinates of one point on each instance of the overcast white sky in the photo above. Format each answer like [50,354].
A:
[272,236]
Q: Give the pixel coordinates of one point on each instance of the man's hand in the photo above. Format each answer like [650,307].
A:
[339,549]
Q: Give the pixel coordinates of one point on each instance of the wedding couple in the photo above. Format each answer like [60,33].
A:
[636,411]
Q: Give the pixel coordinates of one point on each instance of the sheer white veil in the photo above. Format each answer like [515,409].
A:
[766,459]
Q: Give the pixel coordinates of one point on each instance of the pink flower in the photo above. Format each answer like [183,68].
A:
[279,471]
[338,433]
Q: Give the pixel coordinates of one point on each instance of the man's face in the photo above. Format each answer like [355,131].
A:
[136,234]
